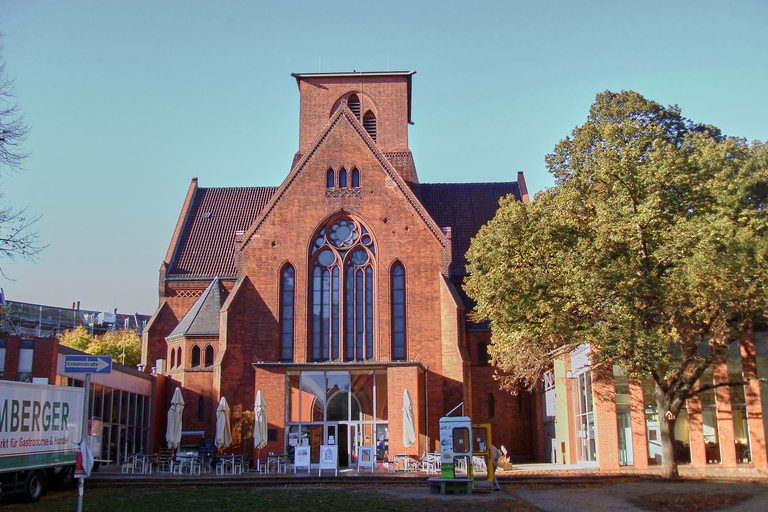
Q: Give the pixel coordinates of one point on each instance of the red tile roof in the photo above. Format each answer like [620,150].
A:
[207,243]
[465,208]
[206,246]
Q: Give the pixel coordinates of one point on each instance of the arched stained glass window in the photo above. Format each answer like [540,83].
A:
[287,292]
[343,256]
[398,312]
[343,178]
[330,179]
[355,178]
[178,357]
[173,358]
[209,355]
[195,356]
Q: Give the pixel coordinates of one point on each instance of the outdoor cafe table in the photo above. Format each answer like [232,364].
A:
[140,463]
[186,463]
[277,462]
[228,464]
[404,462]
[146,460]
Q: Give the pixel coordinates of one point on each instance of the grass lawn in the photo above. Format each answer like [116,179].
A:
[299,499]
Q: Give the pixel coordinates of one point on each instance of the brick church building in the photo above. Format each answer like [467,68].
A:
[336,292]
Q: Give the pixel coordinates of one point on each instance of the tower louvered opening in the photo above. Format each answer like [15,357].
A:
[369,123]
[353,102]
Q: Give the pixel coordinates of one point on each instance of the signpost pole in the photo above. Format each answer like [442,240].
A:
[81,481]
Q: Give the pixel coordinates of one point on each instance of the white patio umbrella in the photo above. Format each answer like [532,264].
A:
[409,430]
[173,430]
[260,421]
[223,430]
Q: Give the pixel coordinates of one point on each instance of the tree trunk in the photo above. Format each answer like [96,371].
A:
[667,420]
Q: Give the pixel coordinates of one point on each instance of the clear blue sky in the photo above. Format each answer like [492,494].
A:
[128,100]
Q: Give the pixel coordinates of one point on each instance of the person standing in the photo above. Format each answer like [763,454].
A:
[496,455]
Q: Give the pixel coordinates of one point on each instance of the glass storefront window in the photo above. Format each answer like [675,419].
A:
[623,417]
[585,419]
[340,404]
[294,397]
[738,408]
[312,396]
[709,420]
[652,428]
[761,348]
[682,438]
[337,393]
[362,391]
[382,401]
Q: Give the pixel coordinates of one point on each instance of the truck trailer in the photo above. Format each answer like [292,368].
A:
[40,428]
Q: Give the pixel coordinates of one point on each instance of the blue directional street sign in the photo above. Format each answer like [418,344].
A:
[87,364]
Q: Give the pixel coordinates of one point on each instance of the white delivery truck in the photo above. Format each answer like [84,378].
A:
[40,428]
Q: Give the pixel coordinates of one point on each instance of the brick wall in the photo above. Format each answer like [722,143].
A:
[386,96]
[604,407]
[271,382]
[44,357]
[399,379]
[637,413]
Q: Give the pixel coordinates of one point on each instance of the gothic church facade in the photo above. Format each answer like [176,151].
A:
[336,294]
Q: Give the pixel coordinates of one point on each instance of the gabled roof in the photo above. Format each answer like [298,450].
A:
[203,318]
[465,208]
[206,242]
[343,114]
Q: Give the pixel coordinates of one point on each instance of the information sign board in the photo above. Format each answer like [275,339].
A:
[329,458]
[87,364]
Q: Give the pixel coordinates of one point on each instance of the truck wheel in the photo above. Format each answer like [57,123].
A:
[34,486]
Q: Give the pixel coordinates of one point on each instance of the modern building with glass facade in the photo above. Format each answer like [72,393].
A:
[598,416]
[336,293]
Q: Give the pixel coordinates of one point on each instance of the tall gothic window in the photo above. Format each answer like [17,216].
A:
[398,312]
[287,289]
[342,265]
[195,356]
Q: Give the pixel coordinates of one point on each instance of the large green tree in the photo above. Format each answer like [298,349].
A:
[124,345]
[652,247]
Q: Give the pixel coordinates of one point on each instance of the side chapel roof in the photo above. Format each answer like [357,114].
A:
[203,317]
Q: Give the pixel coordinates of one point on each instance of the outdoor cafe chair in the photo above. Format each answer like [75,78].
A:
[225,465]
[206,464]
[241,464]
[163,462]
[261,466]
